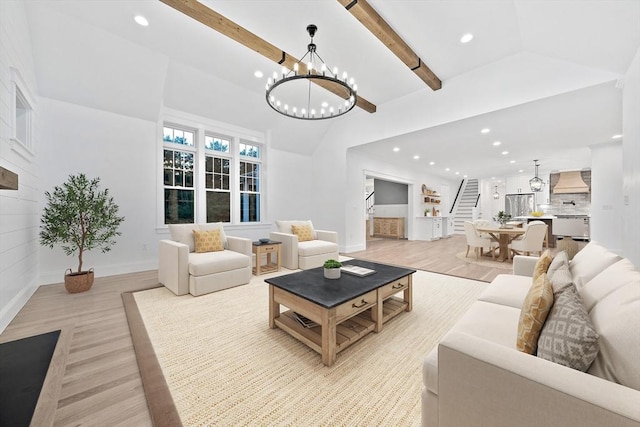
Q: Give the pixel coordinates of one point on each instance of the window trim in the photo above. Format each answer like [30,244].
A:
[19,89]
[202,126]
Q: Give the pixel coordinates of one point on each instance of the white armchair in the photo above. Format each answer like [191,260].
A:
[182,270]
[305,254]
[532,239]
[478,242]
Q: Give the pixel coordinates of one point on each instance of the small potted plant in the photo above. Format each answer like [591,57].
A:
[79,217]
[502,219]
[332,269]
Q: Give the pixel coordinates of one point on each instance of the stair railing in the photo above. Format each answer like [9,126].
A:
[370,202]
[453,205]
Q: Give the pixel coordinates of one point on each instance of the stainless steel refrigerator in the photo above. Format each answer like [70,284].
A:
[519,204]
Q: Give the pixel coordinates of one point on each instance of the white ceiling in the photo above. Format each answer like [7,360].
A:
[92,53]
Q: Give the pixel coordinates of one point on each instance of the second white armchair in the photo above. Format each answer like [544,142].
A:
[303,246]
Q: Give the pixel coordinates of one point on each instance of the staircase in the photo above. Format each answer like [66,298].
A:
[464,207]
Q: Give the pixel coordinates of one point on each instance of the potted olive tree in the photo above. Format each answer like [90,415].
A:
[79,217]
[332,269]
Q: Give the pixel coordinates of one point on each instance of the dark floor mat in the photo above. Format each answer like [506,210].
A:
[23,367]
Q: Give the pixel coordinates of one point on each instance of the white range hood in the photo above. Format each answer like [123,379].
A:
[570,182]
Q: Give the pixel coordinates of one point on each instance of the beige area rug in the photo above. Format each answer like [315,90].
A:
[225,367]
[484,261]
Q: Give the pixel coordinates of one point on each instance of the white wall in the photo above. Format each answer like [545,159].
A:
[631,162]
[119,150]
[606,195]
[19,213]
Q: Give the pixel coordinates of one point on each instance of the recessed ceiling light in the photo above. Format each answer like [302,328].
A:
[141,20]
[504,153]
[324,104]
[258,74]
[447,169]
[457,173]
[416,157]
[432,163]
[493,177]
[466,38]
[396,149]
[485,130]
[520,171]
[464,176]
[496,143]
[512,161]
[617,136]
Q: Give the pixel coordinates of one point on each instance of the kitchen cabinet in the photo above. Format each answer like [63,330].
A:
[428,227]
[447,226]
[518,184]
[388,227]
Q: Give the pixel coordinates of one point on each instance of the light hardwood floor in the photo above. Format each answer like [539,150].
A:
[99,381]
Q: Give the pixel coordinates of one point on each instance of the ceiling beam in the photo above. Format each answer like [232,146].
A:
[368,16]
[214,20]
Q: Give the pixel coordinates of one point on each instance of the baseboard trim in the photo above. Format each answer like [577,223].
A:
[55,277]
[10,311]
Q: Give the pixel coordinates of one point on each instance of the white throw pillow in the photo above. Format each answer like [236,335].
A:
[589,262]
[183,233]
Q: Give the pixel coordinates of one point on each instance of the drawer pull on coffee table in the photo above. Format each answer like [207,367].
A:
[362,304]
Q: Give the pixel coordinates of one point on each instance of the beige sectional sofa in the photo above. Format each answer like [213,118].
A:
[477,377]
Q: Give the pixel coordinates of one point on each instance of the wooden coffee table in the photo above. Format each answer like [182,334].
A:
[345,309]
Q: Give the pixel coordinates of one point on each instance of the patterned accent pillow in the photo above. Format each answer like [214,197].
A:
[561,259]
[535,309]
[568,337]
[561,279]
[542,264]
[208,241]
[304,232]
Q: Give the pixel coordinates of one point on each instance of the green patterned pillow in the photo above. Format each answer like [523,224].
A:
[568,337]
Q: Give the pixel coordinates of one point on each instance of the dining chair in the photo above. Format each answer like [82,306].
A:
[478,242]
[531,241]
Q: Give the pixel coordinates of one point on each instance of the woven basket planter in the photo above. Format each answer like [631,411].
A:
[78,282]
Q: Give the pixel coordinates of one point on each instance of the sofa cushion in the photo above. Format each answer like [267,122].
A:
[561,259]
[207,241]
[183,233]
[304,232]
[215,226]
[316,247]
[590,261]
[534,312]
[285,226]
[613,301]
[507,289]
[486,320]
[216,262]
[542,264]
[568,337]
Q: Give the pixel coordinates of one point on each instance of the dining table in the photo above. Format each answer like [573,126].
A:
[504,236]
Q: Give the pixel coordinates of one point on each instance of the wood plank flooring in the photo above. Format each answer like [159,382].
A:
[99,380]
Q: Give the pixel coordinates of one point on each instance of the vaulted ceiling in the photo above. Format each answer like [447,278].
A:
[554,64]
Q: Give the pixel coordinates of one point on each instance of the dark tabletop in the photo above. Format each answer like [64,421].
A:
[311,284]
[270,242]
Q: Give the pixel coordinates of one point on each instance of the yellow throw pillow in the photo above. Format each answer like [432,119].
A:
[208,241]
[304,232]
[535,308]
[542,265]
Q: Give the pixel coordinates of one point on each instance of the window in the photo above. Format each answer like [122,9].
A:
[178,165]
[249,192]
[22,106]
[210,177]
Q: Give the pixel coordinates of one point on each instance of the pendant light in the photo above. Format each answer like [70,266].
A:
[536,183]
[496,195]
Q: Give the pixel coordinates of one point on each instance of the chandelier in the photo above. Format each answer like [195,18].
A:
[292,93]
[536,183]
[496,195]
